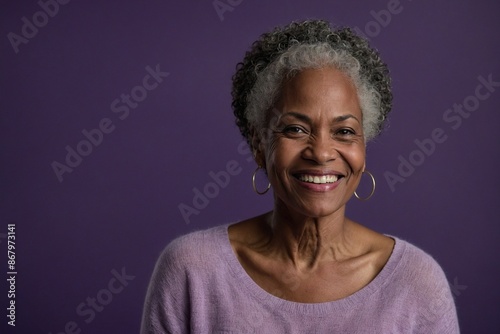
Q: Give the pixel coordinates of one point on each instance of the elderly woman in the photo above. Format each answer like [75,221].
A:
[307,99]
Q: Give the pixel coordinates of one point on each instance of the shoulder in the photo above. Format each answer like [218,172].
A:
[188,256]
[418,268]
[418,264]
[425,285]
[195,248]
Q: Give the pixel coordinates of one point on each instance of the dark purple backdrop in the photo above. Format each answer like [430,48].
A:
[65,72]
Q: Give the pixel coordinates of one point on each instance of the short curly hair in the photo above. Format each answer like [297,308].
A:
[284,52]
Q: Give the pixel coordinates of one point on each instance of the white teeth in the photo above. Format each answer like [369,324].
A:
[319,179]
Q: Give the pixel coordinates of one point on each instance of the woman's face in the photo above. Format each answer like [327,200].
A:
[315,152]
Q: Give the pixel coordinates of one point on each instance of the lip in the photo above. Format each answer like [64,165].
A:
[318,187]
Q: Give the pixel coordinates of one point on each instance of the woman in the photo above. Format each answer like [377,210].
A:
[307,99]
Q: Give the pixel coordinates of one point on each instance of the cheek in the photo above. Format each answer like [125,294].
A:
[279,156]
[274,157]
[272,149]
[355,157]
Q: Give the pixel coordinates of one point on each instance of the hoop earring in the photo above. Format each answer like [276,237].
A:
[373,189]
[255,187]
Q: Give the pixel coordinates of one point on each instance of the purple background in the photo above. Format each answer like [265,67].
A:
[120,206]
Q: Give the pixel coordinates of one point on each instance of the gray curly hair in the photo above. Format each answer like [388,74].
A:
[284,52]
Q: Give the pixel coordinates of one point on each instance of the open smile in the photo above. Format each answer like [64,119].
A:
[319,181]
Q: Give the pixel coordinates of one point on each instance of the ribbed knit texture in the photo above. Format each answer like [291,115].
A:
[199,286]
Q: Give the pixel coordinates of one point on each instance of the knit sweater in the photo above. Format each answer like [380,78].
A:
[199,286]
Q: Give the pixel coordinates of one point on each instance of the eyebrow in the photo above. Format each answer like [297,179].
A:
[345,117]
[307,119]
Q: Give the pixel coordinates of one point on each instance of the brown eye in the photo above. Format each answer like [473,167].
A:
[345,132]
[293,129]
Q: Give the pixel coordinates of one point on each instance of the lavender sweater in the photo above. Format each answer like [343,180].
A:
[199,286]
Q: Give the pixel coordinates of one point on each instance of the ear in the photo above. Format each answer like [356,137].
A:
[257,148]
[260,158]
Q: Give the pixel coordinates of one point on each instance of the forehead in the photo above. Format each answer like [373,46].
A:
[320,89]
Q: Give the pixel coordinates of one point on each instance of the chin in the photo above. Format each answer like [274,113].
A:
[319,211]
[315,205]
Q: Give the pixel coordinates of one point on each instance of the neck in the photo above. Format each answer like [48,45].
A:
[306,241]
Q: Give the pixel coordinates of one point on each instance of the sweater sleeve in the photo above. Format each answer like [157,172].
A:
[437,312]
[441,315]
[166,309]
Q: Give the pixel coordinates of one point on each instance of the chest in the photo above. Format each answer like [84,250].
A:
[328,282]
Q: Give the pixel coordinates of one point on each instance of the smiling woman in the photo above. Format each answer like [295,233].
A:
[307,99]
[317,135]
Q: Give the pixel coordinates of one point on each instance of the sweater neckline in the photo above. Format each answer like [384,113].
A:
[324,308]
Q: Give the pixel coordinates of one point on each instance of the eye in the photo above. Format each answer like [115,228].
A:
[345,132]
[294,129]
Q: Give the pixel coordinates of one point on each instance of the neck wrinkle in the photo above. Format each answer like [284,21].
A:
[306,241]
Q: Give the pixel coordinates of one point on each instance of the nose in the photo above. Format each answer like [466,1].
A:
[320,149]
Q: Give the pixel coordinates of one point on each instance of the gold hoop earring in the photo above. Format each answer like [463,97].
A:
[373,189]
[255,187]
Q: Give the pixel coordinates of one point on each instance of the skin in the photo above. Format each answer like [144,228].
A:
[306,250]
